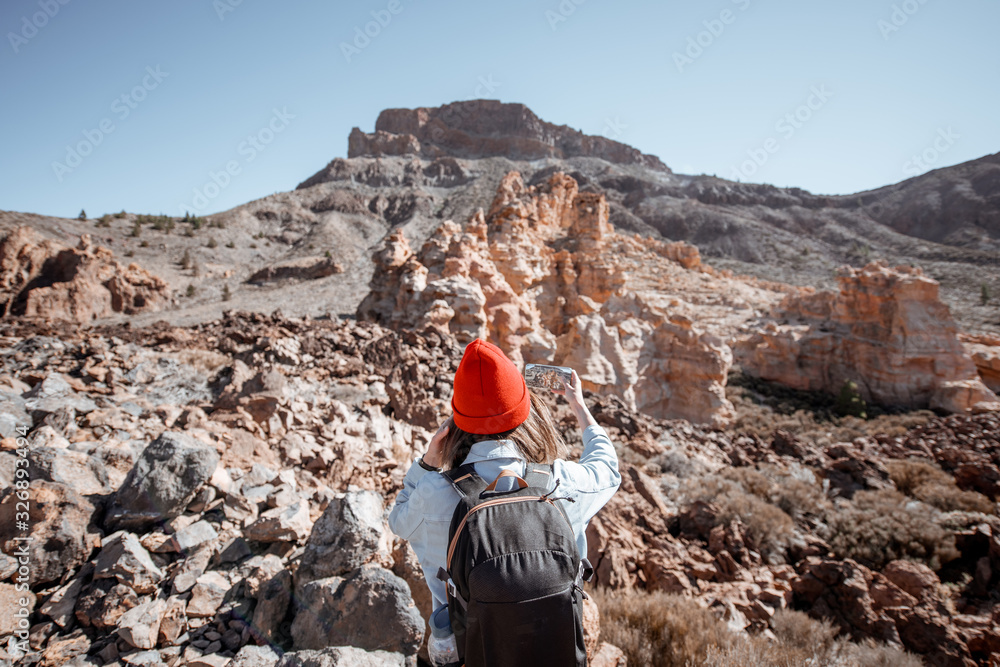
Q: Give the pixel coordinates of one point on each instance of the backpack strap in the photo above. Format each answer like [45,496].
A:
[465,480]
[538,474]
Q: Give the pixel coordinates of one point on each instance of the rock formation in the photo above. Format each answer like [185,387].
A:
[985,353]
[42,278]
[886,330]
[484,128]
[545,276]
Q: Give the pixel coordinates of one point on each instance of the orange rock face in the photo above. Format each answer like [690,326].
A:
[886,330]
[985,353]
[44,279]
[545,276]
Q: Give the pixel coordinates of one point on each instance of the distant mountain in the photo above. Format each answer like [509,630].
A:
[423,166]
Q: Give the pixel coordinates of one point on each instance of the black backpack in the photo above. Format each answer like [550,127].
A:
[514,574]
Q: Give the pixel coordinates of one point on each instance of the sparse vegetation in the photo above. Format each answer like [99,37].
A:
[186,260]
[190,290]
[926,482]
[984,294]
[850,402]
[769,529]
[230,244]
[884,525]
[664,630]
[121,214]
[659,630]
[144,244]
[225,292]
[136,229]
[211,242]
[805,641]
[763,407]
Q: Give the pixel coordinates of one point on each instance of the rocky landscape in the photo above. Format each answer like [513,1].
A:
[810,459]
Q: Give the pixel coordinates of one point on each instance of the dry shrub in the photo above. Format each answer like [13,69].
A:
[798,630]
[928,483]
[786,489]
[884,525]
[871,654]
[805,641]
[769,529]
[764,407]
[659,629]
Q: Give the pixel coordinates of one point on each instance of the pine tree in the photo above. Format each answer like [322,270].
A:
[82,216]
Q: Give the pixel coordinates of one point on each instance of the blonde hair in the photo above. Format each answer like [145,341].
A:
[536,438]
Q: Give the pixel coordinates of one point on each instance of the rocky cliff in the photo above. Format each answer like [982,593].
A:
[44,279]
[485,128]
[545,276]
[885,330]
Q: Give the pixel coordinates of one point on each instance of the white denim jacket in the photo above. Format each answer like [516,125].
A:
[423,509]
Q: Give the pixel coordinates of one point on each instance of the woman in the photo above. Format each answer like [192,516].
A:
[499,424]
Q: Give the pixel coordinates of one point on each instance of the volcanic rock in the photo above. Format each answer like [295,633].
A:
[350,532]
[543,275]
[886,330]
[370,609]
[482,128]
[42,278]
[341,656]
[163,482]
[63,536]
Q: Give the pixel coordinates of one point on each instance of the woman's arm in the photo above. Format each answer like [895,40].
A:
[404,518]
[595,477]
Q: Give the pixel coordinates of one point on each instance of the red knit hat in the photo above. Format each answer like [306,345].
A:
[490,395]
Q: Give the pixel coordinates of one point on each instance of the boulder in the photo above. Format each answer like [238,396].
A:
[273,599]
[255,656]
[60,520]
[103,603]
[341,656]
[140,625]
[281,524]
[163,482]
[370,609]
[10,601]
[125,559]
[84,473]
[207,595]
[350,532]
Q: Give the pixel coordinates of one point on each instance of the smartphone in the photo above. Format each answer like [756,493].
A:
[540,376]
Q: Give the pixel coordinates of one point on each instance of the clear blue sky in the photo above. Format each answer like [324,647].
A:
[608,68]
